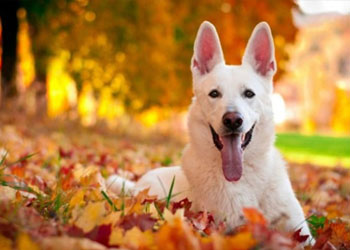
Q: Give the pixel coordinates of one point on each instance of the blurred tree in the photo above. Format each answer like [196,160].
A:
[319,73]
[139,51]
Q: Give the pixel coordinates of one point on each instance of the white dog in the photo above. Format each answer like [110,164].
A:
[230,161]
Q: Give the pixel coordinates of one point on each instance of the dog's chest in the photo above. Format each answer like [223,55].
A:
[211,192]
[225,200]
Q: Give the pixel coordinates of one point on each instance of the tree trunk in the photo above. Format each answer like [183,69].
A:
[9,22]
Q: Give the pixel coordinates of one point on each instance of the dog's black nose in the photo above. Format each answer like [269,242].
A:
[232,120]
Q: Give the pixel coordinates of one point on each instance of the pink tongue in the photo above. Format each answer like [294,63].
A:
[231,155]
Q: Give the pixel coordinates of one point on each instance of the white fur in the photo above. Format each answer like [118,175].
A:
[264,184]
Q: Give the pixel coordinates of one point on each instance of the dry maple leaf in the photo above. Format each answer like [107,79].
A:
[100,234]
[185,203]
[24,242]
[240,241]
[91,216]
[65,153]
[176,235]
[66,242]
[299,238]
[142,221]
[254,216]
[340,234]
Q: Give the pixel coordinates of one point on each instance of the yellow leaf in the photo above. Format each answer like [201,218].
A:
[24,242]
[136,208]
[5,243]
[153,211]
[92,215]
[143,195]
[111,218]
[116,237]
[138,239]
[95,195]
[86,175]
[77,199]
[170,217]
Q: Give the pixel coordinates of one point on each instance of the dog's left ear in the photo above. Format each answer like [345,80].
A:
[260,51]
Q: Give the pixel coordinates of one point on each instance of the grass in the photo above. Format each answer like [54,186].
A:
[315,149]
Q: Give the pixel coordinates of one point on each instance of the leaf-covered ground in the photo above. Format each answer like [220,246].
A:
[52,195]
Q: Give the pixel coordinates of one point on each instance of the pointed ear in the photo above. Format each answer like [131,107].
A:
[260,51]
[207,49]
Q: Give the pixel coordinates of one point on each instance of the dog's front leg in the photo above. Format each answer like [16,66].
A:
[296,219]
[284,211]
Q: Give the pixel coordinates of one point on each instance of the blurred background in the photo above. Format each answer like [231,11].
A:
[116,63]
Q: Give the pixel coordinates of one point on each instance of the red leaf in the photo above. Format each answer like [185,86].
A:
[322,239]
[298,237]
[75,231]
[65,154]
[8,230]
[103,160]
[148,201]
[39,182]
[100,234]
[142,221]
[204,221]
[67,169]
[185,203]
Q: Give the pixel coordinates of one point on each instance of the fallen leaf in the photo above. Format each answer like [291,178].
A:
[5,243]
[254,216]
[176,235]
[77,199]
[24,242]
[136,239]
[142,221]
[299,238]
[117,237]
[66,242]
[241,241]
[91,216]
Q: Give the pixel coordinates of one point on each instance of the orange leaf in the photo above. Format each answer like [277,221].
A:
[340,233]
[18,171]
[241,241]
[176,235]
[254,216]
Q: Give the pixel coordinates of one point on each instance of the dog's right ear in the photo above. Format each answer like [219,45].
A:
[207,50]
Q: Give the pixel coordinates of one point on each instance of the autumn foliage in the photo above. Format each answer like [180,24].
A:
[53,196]
[113,60]
[134,51]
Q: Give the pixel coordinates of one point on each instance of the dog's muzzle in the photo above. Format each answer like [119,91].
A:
[245,138]
[231,148]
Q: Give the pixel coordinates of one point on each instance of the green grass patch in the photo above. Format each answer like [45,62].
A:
[315,149]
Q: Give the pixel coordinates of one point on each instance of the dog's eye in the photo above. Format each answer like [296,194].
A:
[214,93]
[249,94]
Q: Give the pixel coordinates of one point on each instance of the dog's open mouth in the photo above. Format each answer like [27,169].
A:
[231,147]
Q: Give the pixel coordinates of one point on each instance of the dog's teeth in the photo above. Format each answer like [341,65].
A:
[243,137]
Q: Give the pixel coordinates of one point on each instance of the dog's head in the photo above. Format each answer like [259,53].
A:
[232,97]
